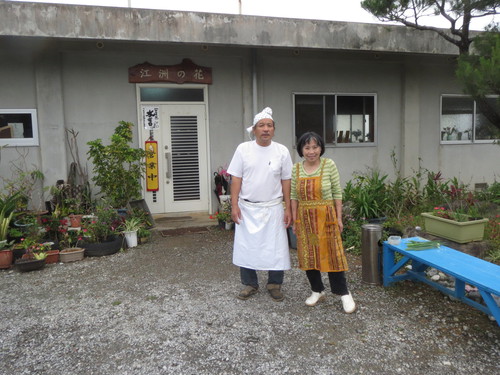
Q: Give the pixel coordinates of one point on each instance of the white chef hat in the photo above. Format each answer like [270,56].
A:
[266,113]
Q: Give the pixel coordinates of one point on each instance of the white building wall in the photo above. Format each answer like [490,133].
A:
[284,74]
[471,163]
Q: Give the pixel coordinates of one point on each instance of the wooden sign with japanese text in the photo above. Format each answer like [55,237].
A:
[186,72]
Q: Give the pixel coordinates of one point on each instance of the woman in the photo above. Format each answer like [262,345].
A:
[317,221]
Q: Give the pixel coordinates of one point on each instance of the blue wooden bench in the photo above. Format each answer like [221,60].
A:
[485,276]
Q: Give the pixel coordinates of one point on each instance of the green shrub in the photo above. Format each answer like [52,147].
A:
[367,194]
[118,167]
[351,236]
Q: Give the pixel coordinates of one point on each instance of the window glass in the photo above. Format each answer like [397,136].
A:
[309,114]
[171,94]
[484,127]
[341,119]
[464,121]
[18,127]
[457,116]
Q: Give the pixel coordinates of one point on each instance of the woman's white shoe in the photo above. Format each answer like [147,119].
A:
[348,303]
[315,298]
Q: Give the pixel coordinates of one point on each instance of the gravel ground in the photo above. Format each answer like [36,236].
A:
[169,307]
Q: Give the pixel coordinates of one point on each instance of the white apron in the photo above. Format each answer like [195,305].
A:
[260,240]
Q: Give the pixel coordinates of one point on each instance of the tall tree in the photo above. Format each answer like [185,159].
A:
[479,73]
[415,13]
[474,71]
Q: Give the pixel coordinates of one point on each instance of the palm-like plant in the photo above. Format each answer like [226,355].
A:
[7,211]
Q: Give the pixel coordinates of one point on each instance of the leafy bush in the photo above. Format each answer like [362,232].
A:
[118,167]
[367,193]
[371,194]
[351,235]
[492,234]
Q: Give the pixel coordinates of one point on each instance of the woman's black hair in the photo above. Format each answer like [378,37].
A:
[308,137]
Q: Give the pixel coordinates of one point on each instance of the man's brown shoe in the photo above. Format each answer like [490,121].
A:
[247,292]
[275,292]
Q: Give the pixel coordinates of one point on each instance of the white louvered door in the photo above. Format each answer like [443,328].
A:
[184,170]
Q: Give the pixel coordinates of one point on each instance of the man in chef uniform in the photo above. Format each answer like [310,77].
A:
[261,173]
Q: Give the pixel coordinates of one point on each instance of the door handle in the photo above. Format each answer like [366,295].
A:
[167,156]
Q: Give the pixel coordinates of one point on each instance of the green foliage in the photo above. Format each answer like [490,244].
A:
[131,224]
[368,194]
[414,14]
[34,248]
[118,167]
[404,193]
[479,74]
[434,188]
[492,233]
[351,235]
[406,198]
[102,225]
[224,213]
[24,181]
[405,223]
[142,215]
[143,232]
[7,210]
[491,194]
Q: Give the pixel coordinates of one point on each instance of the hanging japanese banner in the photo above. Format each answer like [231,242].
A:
[150,117]
[152,183]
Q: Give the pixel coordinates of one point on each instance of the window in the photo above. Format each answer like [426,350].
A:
[464,121]
[169,94]
[341,119]
[18,127]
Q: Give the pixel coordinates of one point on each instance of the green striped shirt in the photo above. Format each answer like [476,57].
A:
[330,183]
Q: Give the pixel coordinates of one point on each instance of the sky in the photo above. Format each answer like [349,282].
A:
[332,10]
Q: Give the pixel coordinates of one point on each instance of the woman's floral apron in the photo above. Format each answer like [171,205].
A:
[319,243]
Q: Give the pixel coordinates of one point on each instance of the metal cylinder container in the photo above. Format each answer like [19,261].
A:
[371,254]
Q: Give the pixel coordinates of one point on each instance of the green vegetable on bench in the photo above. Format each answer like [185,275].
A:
[422,245]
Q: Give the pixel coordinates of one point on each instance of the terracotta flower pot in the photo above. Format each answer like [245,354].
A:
[6,257]
[72,254]
[75,221]
[52,257]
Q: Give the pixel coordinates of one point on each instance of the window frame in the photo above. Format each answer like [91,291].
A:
[335,120]
[15,142]
[475,113]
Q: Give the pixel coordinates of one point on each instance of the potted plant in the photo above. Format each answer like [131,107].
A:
[458,218]
[35,255]
[224,214]
[100,232]
[69,201]
[224,219]
[118,167]
[367,195]
[356,133]
[143,235]
[5,254]
[130,227]
[455,226]
[449,131]
[69,245]
[25,182]
[7,212]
